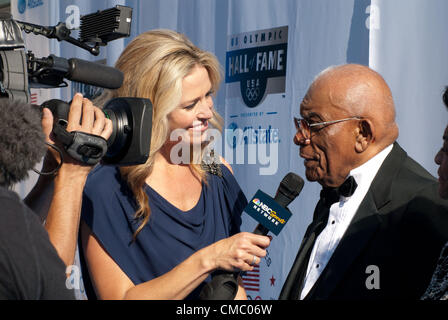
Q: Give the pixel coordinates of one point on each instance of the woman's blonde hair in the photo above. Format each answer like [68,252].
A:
[154,65]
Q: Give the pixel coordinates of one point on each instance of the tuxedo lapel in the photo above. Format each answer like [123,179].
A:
[363,226]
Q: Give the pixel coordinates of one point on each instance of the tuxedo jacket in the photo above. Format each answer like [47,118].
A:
[392,245]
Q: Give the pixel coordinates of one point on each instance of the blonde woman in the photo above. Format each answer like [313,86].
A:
[159,230]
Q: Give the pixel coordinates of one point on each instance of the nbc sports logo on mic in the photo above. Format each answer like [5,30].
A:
[267,212]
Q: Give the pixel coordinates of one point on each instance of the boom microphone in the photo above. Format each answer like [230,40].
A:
[21,140]
[272,215]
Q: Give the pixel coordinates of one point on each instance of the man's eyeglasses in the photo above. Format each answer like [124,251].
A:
[303,128]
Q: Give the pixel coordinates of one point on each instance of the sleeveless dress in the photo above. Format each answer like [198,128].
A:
[170,236]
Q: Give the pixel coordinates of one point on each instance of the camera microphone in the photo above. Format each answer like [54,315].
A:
[93,73]
[52,70]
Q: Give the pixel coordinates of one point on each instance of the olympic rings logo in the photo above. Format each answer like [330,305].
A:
[252,94]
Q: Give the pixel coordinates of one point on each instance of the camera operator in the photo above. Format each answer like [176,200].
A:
[30,267]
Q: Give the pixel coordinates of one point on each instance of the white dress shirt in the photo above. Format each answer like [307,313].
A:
[341,214]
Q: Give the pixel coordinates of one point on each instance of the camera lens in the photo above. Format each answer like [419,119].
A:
[117,145]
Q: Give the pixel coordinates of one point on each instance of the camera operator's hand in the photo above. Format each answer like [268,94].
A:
[62,220]
[84,117]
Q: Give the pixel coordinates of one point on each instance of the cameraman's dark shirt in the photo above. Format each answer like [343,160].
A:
[30,267]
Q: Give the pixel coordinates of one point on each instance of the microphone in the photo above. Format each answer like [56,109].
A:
[21,140]
[52,69]
[94,74]
[272,215]
[287,191]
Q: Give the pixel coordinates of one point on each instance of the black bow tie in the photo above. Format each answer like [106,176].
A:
[331,195]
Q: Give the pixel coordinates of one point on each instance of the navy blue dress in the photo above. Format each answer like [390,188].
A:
[170,236]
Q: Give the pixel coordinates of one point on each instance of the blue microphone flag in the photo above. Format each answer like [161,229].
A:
[267,212]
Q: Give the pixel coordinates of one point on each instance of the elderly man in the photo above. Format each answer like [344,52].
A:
[379,226]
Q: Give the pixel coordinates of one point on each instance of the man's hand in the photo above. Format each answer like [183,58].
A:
[64,213]
[84,117]
[93,120]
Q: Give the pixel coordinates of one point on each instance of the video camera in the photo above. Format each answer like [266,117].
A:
[129,143]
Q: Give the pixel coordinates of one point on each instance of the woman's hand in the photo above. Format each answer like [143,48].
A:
[239,252]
